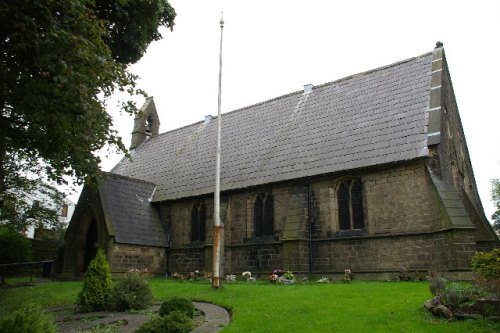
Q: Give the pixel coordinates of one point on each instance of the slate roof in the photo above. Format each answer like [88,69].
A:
[371,118]
[126,204]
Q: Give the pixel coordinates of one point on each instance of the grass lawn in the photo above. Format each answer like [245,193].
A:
[255,307]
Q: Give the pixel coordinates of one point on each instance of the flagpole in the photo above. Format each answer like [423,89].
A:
[218,228]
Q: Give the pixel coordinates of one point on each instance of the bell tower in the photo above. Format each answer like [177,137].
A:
[146,124]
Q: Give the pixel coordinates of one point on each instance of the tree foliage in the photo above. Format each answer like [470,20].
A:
[495,194]
[15,247]
[132,25]
[32,203]
[60,61]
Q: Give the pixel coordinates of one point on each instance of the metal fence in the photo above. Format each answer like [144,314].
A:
[37,268]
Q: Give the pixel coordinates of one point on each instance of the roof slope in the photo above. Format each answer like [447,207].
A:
[126,204]
[367,119]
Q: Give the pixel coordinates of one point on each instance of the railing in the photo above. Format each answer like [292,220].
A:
[31,267]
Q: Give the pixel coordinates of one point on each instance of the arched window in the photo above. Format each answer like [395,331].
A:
[350,205]
[149,125]
[263,215]
[198,218]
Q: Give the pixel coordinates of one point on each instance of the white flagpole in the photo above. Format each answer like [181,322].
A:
[218,243]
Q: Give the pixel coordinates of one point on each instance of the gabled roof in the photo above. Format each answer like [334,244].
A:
[126,206]
[367,119]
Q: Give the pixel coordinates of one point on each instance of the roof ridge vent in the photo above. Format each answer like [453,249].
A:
[308,88]
[208,119]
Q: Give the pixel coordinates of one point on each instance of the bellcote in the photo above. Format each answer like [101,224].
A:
[146,124]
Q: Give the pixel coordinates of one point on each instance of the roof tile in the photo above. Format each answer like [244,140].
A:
[363,120]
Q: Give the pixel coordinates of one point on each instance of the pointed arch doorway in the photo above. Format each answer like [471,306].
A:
[91,245]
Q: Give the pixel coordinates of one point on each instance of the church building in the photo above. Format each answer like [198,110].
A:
[370,172]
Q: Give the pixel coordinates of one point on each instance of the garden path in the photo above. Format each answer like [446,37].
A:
[215,319]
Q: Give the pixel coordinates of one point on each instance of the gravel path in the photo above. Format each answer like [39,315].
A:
[214,319]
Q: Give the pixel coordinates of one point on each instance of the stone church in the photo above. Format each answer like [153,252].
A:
[370,172]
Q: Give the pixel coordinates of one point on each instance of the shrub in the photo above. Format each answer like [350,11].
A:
[180,304]
[133,292]
[15,247]
[30,318]
[436,284]
[487,265]
[175,322]
[178,322]
[457,293]
[97,284]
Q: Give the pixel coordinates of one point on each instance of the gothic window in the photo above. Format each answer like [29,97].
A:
[198,218]
[263,215]
[350,205]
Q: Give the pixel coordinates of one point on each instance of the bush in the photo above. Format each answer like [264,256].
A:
[97,284]
[180,304]
[30,318]
[133,292]
[175,322]
[487,265]
[436,284]
[457,293]
[15,247]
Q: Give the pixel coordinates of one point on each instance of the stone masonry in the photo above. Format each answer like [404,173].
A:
[403,227]
[124,257]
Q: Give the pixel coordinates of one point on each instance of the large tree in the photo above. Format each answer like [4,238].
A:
[60,61]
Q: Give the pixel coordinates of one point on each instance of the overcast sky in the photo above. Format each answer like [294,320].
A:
[272,48]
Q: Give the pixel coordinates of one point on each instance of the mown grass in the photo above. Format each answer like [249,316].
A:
[258,307]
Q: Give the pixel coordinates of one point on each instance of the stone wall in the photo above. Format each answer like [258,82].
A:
[124,257]
[454,160]
[44,249]
[190,259]
[440,251]
[396,200]
[254,258]
[403,227]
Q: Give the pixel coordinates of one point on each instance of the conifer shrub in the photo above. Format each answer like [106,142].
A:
[30,318]
[180,304]
[131,293]
[96,285]
[174,322]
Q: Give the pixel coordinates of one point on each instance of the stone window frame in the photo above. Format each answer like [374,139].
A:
[357,222]
[252,231]
[198,222]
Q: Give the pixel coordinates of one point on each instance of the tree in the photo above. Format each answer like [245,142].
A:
[60,61]
[132,25]
[33,203]
[495,194]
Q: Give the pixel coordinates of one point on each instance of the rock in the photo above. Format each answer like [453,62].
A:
[489,307]
[461,315]
[432,303]
[442,311]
